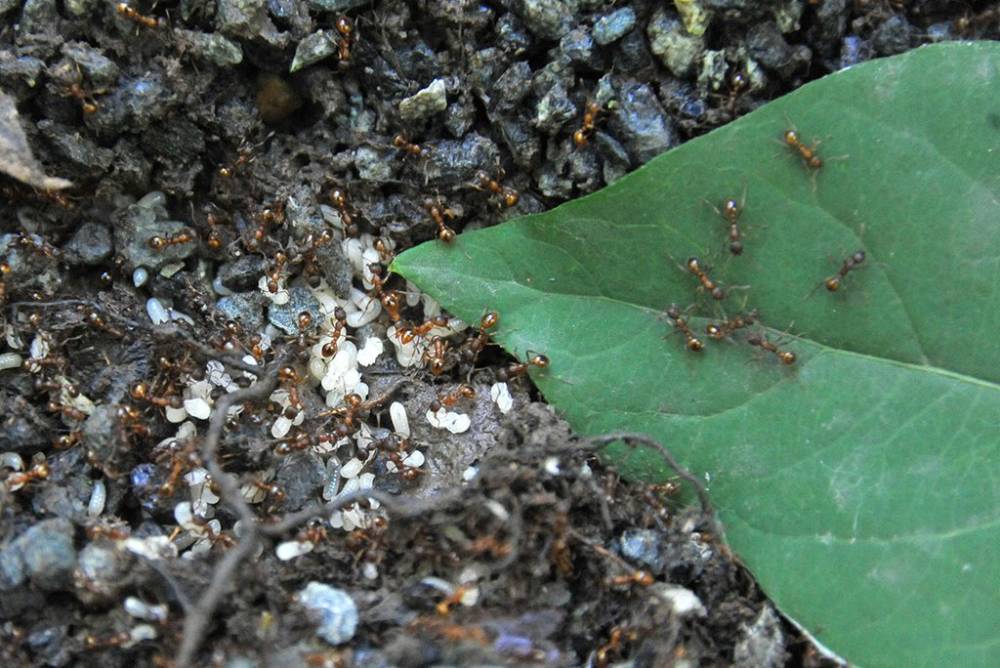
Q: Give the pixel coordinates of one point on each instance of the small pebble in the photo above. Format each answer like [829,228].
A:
[614,26]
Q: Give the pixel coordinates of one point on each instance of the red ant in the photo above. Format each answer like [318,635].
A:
[436,356]
[693,343]
[475,345]
[401,142]
[854,261]
[340,322]
[508,196]
[694,266]
[730,212]
[463,391]
[133,15]
[16,481]
[582,136]
[438,214]
[785,356]
[339,200]
[141,392]
[721,330]
[408,333]
[521,368]
[345,27]
[159,243]
[390,299]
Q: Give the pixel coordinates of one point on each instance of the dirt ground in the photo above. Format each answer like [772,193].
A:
[218,441]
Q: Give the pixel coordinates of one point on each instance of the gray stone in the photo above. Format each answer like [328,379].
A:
[78,150]
[137,224]
[632,55]
[333,611]
[11,568]
[211,47]
[300,475]
[336,5]
[641,124]
[511,35]
[424,103]
[893,36]
[374,165]
[314,48]
[80,8]
[241,18]
[768,47]
[511,86]
[24,68]
[98,68]
[90,245]
[678,50]
[554,110]
[644,547]
[7,5]
[453,162]
[550,19]
[100,572]
[243,273]
[762,644]
[285,316]
[578,47]
[246,308]
[48,553]
[39,16]
[614,26]
[101,435]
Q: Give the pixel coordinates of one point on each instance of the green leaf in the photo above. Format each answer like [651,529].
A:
[859,485]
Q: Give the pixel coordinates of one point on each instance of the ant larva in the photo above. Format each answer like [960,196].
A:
[581,137]
[785,356]
[521,368]
[679,322]
[438,214]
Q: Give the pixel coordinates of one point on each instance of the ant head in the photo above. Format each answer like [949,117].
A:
[791,137]
[858,257]
[718,293]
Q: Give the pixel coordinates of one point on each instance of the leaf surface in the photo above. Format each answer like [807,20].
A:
[861,484]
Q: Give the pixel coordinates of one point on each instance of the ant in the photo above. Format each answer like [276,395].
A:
[402,142]
[385,250]
[464,391]
[436,356]
[695,267]
[472,347]
[16,481]
[270,489]
[641,578]
[508,196]
[693,343]
[521,368]
[290,379]
[345,26]
[808,153]
[453,599]
[614,645]
[730,212]
[87,102]
[437,214]
[407,333]
[95,320]
[108,531]
[339,200]
[590,113]
[141,392]
[340,322]
[785,356]
[721,330]
[854,261]
[133,15]
[181,458]
[67,411]
[390,299]
[159,243]
[214,240]
[92,642]
[244,156]
[396,451]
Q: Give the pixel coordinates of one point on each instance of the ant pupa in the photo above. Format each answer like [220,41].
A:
[680,323]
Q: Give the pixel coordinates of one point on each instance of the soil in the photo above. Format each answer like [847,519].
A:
[237,166]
